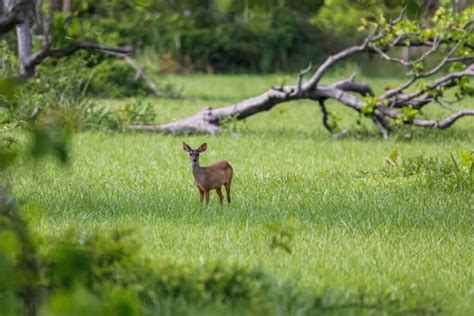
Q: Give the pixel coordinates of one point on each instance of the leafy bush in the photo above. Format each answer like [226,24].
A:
[453,175]
[114,78]
[96,272]
[60,92]
[283,41]
[117,118]
[58,86]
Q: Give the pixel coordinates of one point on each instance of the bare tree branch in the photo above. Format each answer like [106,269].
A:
[447,122]
[325,115]
[378,120]
[141,74]
[416,77]
[444,81]
[313,82]
[47,52]
[301,75]
[434,48]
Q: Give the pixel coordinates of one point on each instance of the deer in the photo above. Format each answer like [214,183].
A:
[211,177]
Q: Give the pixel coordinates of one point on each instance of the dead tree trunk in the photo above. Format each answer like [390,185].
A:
[25,50]
[23,36]
[17,17]
[391,105]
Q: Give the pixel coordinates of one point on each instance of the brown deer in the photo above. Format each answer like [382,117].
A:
[210,177]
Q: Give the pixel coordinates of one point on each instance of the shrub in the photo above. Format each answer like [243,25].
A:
[97,272]
[452,175]
[114,78]
[118,118]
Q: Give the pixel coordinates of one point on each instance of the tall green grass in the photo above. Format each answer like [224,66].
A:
[360,229]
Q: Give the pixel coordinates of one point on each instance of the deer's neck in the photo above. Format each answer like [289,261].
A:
[197,169]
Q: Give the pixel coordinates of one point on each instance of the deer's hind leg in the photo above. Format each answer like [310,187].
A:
[227,190]
[221,197]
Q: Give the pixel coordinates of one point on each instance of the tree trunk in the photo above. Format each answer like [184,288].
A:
[67,6]
[25,50]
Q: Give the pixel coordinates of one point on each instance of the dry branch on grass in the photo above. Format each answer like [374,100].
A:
[383,109]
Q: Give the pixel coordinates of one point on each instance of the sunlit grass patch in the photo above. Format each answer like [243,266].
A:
[404,234]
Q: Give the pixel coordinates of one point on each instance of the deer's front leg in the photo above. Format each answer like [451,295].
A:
[201,194]
[206,194]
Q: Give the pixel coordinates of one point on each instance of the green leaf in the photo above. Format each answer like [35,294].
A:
[422,86]
[75,29]
[143,3]
[46,140]
[409,113]
[454,162]
[394,159]
[8,88]
[457,66]
[59,29]
[466,159]
[369,107]
[6,159]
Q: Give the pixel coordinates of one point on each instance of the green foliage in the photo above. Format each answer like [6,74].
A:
[446,24]
[101,273]
[465,88]
[334,120]
[466,162]
[369,107]
[408,114]
[339,17]
[394,159]
[58,88]
[56,99]
[282,235]
[50,136]
[118,117]
[442,174]
[281,40]
[114,78]
[350,233]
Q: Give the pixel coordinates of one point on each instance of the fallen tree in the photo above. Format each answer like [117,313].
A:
[449,34]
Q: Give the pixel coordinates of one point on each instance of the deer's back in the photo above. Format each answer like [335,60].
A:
[220,165]
[215,175]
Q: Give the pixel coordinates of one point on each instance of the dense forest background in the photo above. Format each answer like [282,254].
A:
[212,36]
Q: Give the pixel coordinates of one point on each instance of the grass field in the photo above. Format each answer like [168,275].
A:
[360,228]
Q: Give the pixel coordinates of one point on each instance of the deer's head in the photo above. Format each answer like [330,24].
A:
[194,153]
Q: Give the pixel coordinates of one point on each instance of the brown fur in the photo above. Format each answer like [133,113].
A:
[211,177]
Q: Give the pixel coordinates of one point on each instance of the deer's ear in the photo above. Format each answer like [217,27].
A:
[186,147]
[203,147]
